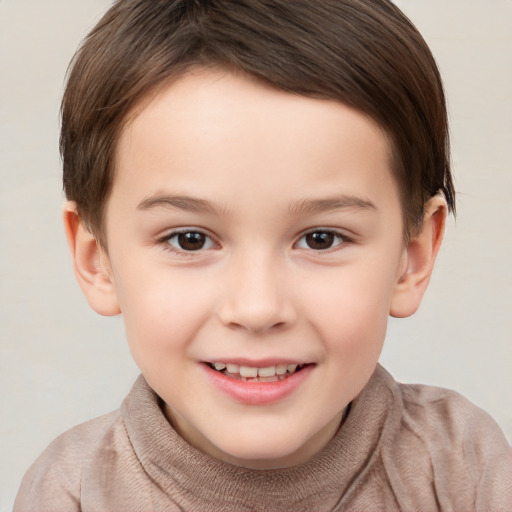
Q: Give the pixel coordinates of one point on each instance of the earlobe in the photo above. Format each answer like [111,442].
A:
[90,264]
[420,256]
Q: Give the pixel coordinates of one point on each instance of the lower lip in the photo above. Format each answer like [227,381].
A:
[257,393]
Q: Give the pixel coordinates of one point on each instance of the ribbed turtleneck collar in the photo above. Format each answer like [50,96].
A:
[200,482]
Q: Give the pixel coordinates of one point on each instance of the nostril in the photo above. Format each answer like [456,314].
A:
[250,309]
[258,327]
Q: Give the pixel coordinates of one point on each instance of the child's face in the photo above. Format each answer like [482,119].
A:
[256,228]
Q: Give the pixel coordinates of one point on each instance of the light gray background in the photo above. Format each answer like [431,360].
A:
[61,364]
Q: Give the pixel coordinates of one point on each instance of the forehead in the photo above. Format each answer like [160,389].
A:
[218,133]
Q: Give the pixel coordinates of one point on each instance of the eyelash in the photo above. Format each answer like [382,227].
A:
[165,241]
[342,239]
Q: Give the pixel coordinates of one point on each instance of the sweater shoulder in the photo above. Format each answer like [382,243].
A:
[458,445]
[53,482]
[448,418]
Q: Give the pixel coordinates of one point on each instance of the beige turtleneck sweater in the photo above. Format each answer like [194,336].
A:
[402,447]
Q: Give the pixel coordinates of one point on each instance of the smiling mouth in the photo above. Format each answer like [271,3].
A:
[253,374]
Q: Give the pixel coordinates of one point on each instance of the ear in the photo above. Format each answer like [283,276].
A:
[419,257]
[91,264]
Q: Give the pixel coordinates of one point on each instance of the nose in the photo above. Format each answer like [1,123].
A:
[256,297]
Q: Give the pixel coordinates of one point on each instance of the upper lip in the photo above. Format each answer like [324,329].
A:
[256,363]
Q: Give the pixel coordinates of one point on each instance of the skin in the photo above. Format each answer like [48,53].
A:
[254,169]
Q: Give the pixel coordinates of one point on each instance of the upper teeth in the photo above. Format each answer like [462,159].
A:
[251,371]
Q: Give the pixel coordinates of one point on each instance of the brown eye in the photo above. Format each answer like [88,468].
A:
[320,240]
[190,241]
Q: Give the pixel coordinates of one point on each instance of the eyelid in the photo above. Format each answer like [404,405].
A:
[345,239]
[164,240]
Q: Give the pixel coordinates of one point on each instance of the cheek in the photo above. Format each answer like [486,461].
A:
[350,310]
[162,309]
[354,328]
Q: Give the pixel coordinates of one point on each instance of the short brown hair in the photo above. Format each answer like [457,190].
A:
[364,53]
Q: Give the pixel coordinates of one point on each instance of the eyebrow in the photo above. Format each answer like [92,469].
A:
[343,202]
[302,207]
[181,202]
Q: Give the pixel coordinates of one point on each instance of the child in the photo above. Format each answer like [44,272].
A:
[256,185]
